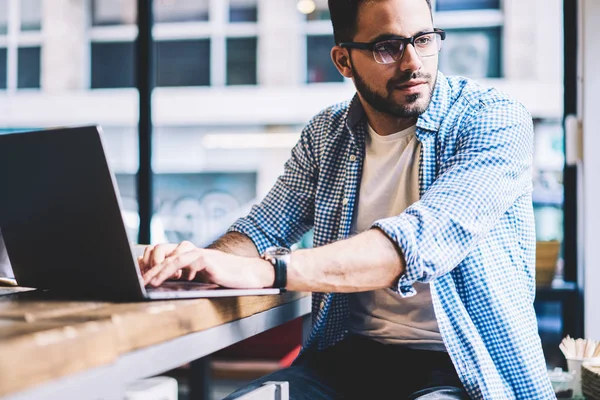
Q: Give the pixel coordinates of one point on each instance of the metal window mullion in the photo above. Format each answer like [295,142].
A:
[245,29]
[196,30]
[119,33]
[12,48]
[469,19]
[29,39]
[145,76]
[218,53]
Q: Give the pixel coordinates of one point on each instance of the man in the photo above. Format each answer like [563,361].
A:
[419,192]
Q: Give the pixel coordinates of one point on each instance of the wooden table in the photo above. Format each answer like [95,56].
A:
[92,350]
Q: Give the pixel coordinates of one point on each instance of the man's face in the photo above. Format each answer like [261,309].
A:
[403,88]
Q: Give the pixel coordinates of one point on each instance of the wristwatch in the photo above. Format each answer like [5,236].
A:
[279,257]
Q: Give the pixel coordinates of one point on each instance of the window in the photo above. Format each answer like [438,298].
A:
[3,17]
[3,50]
[112,65]
[178,63]
[183,63]
[196,45]
[472,52]
[243,11]
[28,75]
[473,46]
[180,10]
[321,12]
[3,67]
[241,61]
[319,41]
[20,44]
[31,15]
[320,68]
[113,12]
[453,5]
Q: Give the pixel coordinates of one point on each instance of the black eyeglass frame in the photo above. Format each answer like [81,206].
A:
[406,41]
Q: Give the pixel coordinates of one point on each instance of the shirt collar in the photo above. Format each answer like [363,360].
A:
[431,119]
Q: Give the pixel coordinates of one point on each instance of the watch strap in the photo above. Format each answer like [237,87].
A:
[280,266]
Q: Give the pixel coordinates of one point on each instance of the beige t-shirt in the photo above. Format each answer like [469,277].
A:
[390,184]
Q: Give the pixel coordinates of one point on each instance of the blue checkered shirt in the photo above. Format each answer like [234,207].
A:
[471,235]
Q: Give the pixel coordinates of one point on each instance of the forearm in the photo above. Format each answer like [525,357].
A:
[235,243]
[364,262]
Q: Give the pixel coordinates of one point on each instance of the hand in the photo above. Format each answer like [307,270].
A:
[212,266]
[156,254]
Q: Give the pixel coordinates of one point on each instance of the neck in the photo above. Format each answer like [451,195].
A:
[386,124]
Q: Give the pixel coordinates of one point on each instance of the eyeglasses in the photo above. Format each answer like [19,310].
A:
[390,50]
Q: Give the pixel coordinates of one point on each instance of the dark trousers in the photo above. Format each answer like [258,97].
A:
[360,368]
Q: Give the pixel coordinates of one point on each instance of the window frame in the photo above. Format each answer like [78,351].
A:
[217,30]
[14,39]
[317,27]
[472,20]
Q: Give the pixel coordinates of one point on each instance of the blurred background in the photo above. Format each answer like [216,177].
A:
[236,81]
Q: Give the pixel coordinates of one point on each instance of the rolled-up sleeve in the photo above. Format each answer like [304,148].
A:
[287,212]
[489,171]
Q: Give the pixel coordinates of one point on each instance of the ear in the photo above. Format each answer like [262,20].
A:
[341,60]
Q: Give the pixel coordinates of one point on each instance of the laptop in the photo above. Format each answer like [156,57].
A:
[60,216]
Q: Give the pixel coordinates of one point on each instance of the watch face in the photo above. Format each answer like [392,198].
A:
[277,251]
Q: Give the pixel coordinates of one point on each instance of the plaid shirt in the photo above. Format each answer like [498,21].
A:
[471,235]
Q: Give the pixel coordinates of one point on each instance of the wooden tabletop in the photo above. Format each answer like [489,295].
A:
[44,340]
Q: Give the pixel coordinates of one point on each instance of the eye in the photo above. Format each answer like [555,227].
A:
[424,40]
[391,47]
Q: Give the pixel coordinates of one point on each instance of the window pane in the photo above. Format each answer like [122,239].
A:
[475,53]
[320,68]
[3,17]
[180,10]
[28,71]
[112,65]
[321,11]
[242,11]
[241,61]
[192,206]
[31,15]
[451,5]
[114,12]
[3,68]
[183,63]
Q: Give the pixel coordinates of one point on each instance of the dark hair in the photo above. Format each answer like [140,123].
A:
[344,17]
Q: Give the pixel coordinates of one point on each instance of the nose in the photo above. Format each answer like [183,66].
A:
[410,60]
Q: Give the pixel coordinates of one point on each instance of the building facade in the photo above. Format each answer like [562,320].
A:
[236,82]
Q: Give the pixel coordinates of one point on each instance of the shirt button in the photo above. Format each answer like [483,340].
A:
[352,158]
[322,305]
[345,202]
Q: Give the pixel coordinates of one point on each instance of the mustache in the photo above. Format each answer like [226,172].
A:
[407,77]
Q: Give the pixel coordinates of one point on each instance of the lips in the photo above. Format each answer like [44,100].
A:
[411,84]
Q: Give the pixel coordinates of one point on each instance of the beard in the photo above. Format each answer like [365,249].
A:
[384,103]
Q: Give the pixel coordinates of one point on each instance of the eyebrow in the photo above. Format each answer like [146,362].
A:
[385,36]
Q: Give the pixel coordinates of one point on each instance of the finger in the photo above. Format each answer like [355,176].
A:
[140,261]
[189,260]
[177,275]
[183,247]
[146,257]
[188,274]
[151,273]
[160,253]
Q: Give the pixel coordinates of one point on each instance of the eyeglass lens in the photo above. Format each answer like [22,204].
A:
[389,51]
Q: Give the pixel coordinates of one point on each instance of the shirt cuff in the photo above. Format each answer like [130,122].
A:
[394,228]
[246,227]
